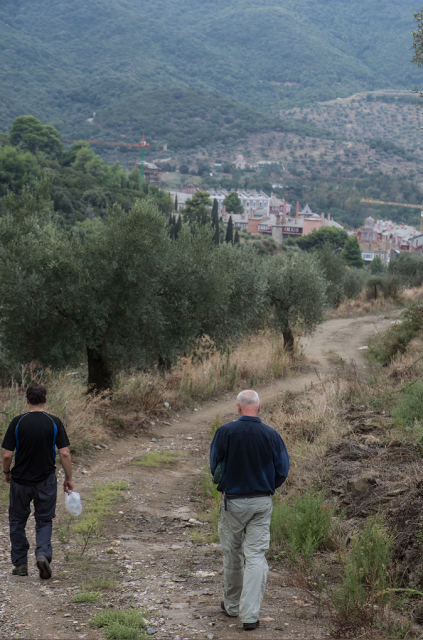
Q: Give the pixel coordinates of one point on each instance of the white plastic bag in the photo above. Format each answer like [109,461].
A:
[73,503]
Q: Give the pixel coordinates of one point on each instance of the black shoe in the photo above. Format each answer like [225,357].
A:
[44,567]
[222,606]
[22,570]
[249,626]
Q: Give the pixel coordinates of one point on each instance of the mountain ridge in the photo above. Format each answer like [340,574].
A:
[263,54]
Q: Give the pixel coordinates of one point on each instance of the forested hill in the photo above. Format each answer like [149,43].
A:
[62,60]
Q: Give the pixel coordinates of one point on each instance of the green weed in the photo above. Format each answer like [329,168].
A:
[123,624]
[210,501]
[305,523]
[367,564]
[361,598]
[85,596]
[215,425]
[103,584]
[157,459]
[86,528]
[408,411]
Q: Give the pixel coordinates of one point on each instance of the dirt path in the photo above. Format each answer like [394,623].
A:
[147,545]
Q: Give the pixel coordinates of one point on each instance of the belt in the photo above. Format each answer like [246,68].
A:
[240,496]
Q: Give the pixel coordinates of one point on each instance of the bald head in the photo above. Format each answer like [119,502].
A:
[248,403]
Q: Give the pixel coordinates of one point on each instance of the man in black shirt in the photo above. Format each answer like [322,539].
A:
[34,437]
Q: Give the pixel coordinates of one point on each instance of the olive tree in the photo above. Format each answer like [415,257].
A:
[297,293]
[205,289]
[408,268]
[94,290]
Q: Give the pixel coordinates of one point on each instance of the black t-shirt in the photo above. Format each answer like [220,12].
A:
[35,436]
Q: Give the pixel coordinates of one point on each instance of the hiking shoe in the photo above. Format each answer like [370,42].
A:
[249,626]
[222,606]
[22,570]
[44,567]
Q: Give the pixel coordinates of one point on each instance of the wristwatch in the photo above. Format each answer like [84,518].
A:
[6,471]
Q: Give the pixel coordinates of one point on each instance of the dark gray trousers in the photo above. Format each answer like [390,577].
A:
[44,496]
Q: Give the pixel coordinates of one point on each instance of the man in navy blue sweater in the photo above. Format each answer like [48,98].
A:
[254,462]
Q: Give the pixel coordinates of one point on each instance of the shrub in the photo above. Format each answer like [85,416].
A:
[396,339]
[304,522]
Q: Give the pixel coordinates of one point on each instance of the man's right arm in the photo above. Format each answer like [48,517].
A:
[216,451]
[65,459]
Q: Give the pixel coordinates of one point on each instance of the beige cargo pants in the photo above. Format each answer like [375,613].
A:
[244,530]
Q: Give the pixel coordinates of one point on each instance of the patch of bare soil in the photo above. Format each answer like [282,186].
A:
[146,546]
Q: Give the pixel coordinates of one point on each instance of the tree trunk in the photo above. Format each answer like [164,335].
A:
[288,339]
[164,364]
[100,377]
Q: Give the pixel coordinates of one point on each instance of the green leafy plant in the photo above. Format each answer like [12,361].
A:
[304,522]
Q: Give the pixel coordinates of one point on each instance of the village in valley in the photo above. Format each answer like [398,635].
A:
[269,215]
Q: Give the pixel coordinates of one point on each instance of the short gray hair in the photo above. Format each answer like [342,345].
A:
[248,397]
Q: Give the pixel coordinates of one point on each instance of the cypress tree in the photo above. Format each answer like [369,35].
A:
[229,231]
[236,239]
[176,202]
[215,221]
[178,226]
[215,210]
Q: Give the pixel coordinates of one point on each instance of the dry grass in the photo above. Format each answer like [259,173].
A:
[309,427]
[413,294]
[361,307]
[208,374]
[67,399]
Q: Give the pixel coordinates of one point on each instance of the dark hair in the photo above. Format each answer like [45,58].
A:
[36,394]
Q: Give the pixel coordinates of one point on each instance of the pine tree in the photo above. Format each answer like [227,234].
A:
[176,202]
[236,239]
[229,231]
[352,253]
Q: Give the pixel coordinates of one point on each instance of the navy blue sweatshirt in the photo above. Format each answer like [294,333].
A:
[255,459]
